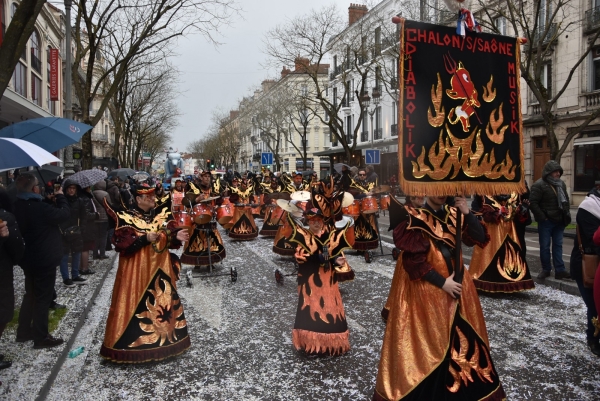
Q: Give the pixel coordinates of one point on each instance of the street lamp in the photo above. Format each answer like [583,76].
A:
[68,81]
[365,102]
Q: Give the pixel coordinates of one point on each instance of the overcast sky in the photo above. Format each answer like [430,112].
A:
[217,78]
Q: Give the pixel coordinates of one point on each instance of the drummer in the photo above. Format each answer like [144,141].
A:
[298,183]
[365,226]
[205,246]
[177,195]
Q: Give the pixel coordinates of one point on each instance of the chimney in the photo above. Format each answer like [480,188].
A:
[233,114]
[267,84]
[301,64]
[284,71]
[355,12]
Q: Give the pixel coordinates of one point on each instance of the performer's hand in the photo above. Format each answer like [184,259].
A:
[340,260]
[183,235]
[452,287]
[151,237]
[301,255]
[461,203]
[4,229]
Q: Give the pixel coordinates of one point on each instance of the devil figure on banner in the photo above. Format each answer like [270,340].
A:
[461,134]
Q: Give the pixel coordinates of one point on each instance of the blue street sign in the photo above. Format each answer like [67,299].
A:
[266,158]
[250,164]
[372,156]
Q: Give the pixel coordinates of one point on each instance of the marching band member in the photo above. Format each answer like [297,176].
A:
[205,246]
[365,226]
[146,320]
[243,225]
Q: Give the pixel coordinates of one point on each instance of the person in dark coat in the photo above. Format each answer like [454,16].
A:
[89,230]
[588,221]
[100,195]
[549,203]
[11,252]
[39,224]
[73,245]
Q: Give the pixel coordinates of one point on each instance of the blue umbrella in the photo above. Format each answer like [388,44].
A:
[49,133]
[15,153]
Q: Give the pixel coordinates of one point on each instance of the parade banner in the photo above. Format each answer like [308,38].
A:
[53,74]
[460,108]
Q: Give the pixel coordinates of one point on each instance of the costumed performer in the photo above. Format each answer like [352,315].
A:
[243,226]
[273,215]
[365,226]
[413,202]
[146,320]
[499,266]
[205,246]
[436,345]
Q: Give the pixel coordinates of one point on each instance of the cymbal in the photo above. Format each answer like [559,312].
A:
[191,196]
[380,189]
[348,199]
[287,206]
[210,198]
[300,195]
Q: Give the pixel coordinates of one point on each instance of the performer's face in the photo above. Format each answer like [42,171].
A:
[297,180]
[146,202]
[178,185]
[436,201]
[417,201]
[315,224]
[362,175]
[205,179]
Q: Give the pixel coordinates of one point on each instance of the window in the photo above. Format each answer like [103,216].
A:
[378,78]
[335,98]
[348,91]
[364,136]
[378,131]
[348,58]
[335,64]
[595,75]
[500,24]
[349,134]
[377,41]
[20,79]
[587,166]
[304,90]
[13,9]
[36,54]
[36,89]
[546,79]
[51,105]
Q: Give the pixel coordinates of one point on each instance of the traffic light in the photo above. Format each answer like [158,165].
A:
[212,163]
[208,164]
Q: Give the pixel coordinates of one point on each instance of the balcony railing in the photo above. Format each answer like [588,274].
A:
[256,157]
[394,130]
[394,84]
[364,136]
[36,63]
[592,100]
[378,133]
[99,137]
[592,18]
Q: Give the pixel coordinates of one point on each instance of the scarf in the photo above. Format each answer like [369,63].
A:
[29,195]
[557,184]
[592,204]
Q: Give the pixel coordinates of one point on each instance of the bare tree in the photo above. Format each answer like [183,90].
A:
[542,22]
[132,29]
[307,42]
[14,41]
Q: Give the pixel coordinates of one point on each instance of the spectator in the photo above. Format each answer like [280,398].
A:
[588,222]
[39,224]
[11,252]
[112,187]
[73,245]
[549,203]
[372,175]
[89,230]
[354,172]
[100,195]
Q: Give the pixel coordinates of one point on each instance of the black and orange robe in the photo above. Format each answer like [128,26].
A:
[243,225]
[435,347]
[500,266]
[205,246]
[146,320]
[320,326]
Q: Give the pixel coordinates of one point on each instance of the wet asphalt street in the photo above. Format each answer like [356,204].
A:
[242,350]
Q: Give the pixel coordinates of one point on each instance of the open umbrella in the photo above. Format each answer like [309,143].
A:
[121,173]
[49,172]
[49,133]
[15,153]
[338,167]
[87,178]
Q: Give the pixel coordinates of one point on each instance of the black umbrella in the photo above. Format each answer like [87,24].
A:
[121,173]
[49,172]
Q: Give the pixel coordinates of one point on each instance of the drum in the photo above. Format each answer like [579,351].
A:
[226,201]
[368,205]
[384,202]
[353,209]
[276,215]
[224,213]
[177,208]
[202,213]
[183,219]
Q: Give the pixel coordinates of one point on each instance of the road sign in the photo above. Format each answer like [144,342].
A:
[250,164]
[266,158]
[372,156]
